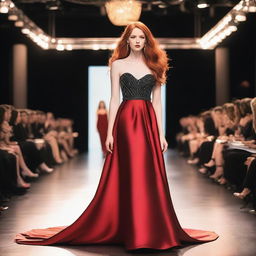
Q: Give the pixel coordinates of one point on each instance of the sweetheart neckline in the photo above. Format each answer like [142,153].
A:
[134,76]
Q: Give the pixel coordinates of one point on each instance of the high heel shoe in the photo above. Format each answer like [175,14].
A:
[240,195]
[3,208]
[29,174]
[211,163]
[217,174]
[25,175]
[244,197]
[203,170]
[222,181]
[59,162]
[193,161]
[24,185]
[47,170]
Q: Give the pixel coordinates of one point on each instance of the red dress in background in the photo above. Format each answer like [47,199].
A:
[102,127]
[132,205]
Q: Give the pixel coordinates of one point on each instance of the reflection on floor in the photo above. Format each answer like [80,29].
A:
[59,198]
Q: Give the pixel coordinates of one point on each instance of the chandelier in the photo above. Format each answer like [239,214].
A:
[123,12]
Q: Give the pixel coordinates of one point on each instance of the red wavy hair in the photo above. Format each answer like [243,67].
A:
[156,58]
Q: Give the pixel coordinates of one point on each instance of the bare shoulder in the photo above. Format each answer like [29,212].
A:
[118,66]
[116,63]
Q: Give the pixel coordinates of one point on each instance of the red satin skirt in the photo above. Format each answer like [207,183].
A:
[132,205]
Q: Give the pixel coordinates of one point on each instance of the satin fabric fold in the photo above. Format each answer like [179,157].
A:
[132,205]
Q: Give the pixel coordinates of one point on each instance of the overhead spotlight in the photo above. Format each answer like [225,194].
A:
[53,5]
[202,4]
[19,23]
[25,31]
[240,16]
[248,5]
[60,47]
[4,7]
[69,47]
[95,47]
[12,17]
[162,6]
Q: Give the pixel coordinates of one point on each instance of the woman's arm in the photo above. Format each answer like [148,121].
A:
[157,104]
[113,104]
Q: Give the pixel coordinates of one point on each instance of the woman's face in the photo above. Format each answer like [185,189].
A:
[24,118]
[42,118]
[7,115]
[49,116]
[225,117]
[31,117]
[137,40]
[102,105]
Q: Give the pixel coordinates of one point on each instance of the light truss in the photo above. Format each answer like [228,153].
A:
[227,25]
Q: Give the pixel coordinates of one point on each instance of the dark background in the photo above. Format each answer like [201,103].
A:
[58,81]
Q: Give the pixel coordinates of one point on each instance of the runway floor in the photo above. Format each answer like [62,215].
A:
[60,197]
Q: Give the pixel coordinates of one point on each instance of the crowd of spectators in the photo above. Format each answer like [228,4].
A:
[32,142]
[221,143]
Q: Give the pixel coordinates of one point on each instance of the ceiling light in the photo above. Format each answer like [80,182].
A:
[13,17]
[249,5]
[69,47]
[123,12]
[53,5]
[19,23]
[95,47]
[4,7]
[240,16]
[202,4]
[25,31]
[60,47]
[162,6]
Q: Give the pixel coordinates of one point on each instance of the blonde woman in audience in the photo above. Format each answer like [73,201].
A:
[227,130]
[4,137]
[51,137]
[206,129]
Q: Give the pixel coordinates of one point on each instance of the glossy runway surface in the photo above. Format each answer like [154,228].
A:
[59,198]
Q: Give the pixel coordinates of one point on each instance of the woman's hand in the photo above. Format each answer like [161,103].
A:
[164,144]
[249,160]
[109,143]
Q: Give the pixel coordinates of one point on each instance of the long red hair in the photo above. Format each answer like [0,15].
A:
[156,58]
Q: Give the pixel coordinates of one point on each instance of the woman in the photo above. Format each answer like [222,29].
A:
[234,157]
[249,182]
[32,155]
[132,205]
[102,125]
[5,134]
[228,127]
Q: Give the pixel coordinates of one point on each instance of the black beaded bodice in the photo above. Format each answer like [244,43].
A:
[133,88]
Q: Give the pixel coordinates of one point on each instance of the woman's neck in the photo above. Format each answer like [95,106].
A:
[135,56]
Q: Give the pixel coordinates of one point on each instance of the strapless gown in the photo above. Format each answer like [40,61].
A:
[132,205]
